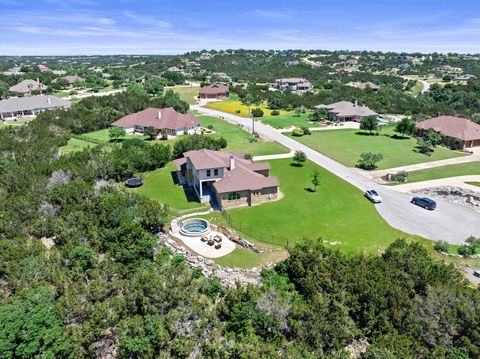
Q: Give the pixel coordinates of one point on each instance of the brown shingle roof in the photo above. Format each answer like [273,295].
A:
[214,89]
[242,177]
[348,109]
[27,86]
[168,119]
[452,126]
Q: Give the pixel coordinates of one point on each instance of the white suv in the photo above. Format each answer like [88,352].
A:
[373,196]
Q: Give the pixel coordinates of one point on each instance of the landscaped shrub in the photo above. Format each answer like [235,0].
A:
[297,131]
[399,177]
[257,112]
[238,111]
[275,113]
[306,130]
[210,127]
[368,160]
[441,246]
[248,156]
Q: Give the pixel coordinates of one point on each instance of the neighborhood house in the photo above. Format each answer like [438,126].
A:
[214,91]
[27,86]
[226,179]
[166,121]
[16,107]
[347,111]
[293,84]
[459,132]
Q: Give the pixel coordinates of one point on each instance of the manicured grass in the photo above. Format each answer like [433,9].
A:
[345,146]
[417,89]
[187,94]
[76,145]
[62,94]
[474,183]
[289,121]
[4,124]
[238,140]
[337,212]
[232,105]
[159,185]
[459,169]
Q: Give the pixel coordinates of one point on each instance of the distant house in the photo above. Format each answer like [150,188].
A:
[458,132]
[404,66]
[217,91]
[16,70]
[351,62]
[59,72]
[448,69]
[192,64]
[226,179]
[293,84]
[174,69]
[166,121]
[219,75]
[204,56]
[347,111]
[466,77]
[71,79]
[141,79]
[17,107]
[27,86]
[44,68]
[292,63]
[366,85]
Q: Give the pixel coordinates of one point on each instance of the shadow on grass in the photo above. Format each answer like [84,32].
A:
[399,137]
[190,194]
[294,164]
[363,133]
[310,190]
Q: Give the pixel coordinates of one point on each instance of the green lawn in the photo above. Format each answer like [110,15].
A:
[474,183]
[4,124]
[159,185]
[288,121]
[337,212]
[460,169]
[345,146]
[238,139]
[187,94]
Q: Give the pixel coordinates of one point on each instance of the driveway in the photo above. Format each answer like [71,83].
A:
[449,222]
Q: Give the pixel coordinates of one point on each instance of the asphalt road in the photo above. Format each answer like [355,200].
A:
[449,222]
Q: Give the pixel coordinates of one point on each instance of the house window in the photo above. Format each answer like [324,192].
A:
[233,195]
[183,172]
[208,173]
[256,193]
[215,172]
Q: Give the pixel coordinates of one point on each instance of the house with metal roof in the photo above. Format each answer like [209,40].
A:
[18,107]
[225,179]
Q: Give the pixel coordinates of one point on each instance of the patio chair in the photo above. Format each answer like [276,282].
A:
[210,242]
[217,239]
[218,245]
[203,239]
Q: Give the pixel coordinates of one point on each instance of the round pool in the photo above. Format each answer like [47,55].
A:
[195,227]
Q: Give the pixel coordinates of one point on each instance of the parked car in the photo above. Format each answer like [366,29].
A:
[424,202]
[373,196]
[476,273]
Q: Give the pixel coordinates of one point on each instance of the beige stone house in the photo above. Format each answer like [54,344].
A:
[347,111]
[296,84]
[226,179]
[459,132]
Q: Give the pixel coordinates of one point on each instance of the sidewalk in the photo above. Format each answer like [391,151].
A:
[273,157]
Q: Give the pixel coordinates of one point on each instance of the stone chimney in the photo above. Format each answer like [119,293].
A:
[159,115]
[232,162]
[356,103]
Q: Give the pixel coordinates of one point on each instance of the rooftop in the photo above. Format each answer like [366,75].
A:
[451,126]
[347,109]
[159,118]
[14,104]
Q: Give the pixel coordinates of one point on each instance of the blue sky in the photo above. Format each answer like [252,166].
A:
[70,27]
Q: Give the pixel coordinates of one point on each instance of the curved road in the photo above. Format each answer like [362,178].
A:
[449,222]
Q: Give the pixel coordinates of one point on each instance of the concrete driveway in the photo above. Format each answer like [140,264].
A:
[449,222]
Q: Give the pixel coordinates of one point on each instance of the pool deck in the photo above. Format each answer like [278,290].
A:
[195,243]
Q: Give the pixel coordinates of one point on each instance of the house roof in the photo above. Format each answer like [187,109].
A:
[242,177]
[214,89]
[168,119]
[365,85]
[14,104]
[348,109]
[27,85]
[452,126]
[70,78]
[293,80]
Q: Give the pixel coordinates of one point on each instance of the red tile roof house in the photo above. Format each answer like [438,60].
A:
[217,91]
[166,121]
[227,179]
[293,84]
[347,111]
[459,132]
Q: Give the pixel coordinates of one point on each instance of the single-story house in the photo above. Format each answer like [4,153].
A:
[347,111]
[165,121]
[368,85]
[27,86]
[16,107]
[459,132]
[293,84]
[351,62]
[16,70]
[226,179]
[71,79]
[466,77]
[44,68]
[59,72]
[214,91]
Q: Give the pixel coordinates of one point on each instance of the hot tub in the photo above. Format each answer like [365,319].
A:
[195,227]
